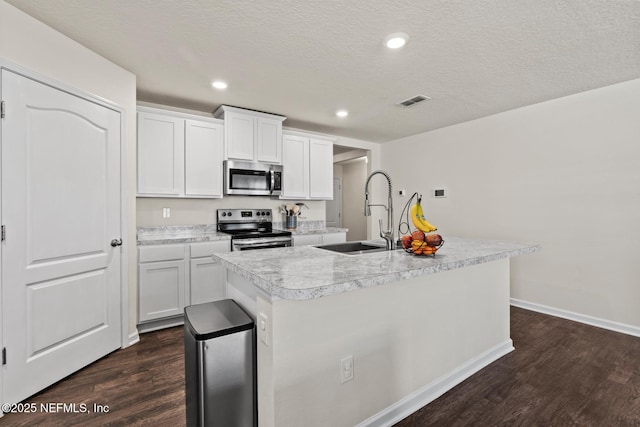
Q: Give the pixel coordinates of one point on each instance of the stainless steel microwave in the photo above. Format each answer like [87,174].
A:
[252,179]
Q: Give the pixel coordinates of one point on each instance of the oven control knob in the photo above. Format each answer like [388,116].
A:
[267,213]
[228,213]
[224,214]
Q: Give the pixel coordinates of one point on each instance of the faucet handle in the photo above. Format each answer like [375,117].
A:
[387,236]
[383,233]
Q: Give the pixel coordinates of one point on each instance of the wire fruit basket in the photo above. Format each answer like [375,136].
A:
[423,248]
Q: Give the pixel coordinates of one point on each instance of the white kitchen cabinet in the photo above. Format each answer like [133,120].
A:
[295,167]
[174,276]
[206,272]
[160,154]
[331,238]
[239,136]
[251,135]
[307,163]
[319,239]
[179,155]
[203,159]
[307,239]
[161,281]
[320,169]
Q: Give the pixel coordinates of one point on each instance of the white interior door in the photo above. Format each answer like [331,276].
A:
[61,209]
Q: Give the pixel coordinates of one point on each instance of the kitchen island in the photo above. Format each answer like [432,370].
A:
[404,328]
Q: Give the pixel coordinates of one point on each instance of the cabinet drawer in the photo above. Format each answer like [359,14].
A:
[205,249]
[161,253]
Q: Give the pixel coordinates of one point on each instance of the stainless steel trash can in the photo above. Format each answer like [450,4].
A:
[220,368]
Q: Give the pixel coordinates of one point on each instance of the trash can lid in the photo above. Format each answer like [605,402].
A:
[216,319]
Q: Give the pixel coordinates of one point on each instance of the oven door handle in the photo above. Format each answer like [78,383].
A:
[276,244]
[256,242]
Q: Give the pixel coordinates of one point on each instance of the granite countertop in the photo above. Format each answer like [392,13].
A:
[307,231]
[307,272]
[179,234]
[169,234]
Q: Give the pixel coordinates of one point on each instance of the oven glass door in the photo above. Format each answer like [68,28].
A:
[260,243]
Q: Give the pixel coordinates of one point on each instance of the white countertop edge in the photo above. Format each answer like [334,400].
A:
[278,292]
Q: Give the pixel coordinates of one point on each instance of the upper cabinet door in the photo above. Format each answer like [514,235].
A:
[160,154]
[295,159]
[251,135]
[203,158]
[269,140]
[320,169]
[240,135]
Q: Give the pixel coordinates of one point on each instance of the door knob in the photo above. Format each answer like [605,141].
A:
[116,242]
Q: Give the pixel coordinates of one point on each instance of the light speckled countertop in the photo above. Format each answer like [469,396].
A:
[179,234]
[307,272]
[163,235]
[305,232]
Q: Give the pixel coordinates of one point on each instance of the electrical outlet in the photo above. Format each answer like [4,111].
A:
[166,212]
[264,331]
[346,369]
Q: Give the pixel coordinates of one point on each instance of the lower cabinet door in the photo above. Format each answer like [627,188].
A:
[161,290]
[207,281]
[330,238]
[313,239]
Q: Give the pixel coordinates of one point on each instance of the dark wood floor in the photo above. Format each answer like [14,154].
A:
[562,373]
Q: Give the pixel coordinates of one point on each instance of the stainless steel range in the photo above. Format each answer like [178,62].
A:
[251,229]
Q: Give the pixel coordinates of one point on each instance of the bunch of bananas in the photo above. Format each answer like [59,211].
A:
[418,219]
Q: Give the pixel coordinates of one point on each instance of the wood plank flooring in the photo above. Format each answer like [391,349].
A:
[562,373]
[143,385]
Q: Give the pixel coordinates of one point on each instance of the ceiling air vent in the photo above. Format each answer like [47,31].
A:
[413,100]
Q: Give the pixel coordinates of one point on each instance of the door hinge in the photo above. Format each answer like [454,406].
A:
[4,356]
[1,109]
[3,234]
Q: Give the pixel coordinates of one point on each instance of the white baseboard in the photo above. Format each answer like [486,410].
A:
[155,325]
[577,317]
[134,338]
[424,395]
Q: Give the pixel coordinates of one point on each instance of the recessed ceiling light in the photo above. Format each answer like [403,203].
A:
[396,40]
[342,113]
[218,84]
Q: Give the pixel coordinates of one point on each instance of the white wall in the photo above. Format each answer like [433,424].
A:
[564,174]
[203,211]
[33,45]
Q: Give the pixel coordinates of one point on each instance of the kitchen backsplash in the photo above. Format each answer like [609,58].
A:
[203,211]
[303,225]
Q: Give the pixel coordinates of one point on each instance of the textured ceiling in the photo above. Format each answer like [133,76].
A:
[306,59]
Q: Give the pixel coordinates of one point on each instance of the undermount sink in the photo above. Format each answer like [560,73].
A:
[353,248]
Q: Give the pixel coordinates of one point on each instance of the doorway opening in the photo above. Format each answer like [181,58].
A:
[350,170]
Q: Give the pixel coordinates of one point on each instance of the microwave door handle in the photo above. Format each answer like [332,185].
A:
[273,181]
